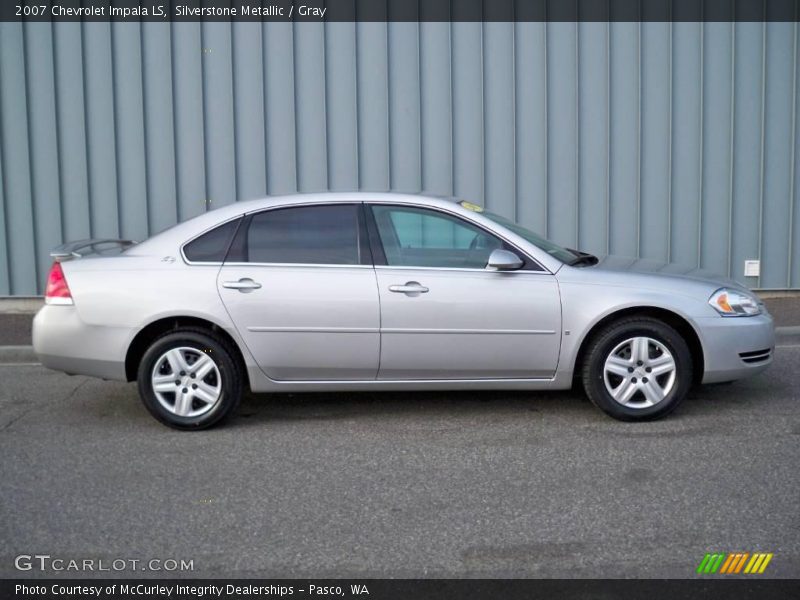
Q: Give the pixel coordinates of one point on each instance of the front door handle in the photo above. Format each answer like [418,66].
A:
[244,285]
[412,288]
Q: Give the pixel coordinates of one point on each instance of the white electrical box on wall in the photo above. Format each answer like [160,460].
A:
[752,268]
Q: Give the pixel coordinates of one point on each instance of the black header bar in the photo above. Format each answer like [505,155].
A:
[400,10]
[738,588]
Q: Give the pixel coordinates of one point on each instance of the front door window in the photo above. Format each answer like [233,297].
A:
[418,237]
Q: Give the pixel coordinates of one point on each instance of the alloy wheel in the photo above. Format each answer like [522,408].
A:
[639,372]
[186,382]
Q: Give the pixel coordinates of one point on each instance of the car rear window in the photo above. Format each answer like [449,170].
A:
[212,245]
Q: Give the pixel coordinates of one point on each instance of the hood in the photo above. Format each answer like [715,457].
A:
[643,266]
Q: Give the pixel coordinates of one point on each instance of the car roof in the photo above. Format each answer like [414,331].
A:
[304,197]
[215,216]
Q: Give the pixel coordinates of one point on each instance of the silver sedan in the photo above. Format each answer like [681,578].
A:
[375,291]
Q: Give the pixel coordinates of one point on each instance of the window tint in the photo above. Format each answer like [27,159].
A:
[326,235]
[416,237]
[212,245]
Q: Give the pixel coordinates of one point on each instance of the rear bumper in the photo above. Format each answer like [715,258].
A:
[736,347]
[65,343]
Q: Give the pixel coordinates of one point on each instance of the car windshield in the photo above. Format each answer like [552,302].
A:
[551,248]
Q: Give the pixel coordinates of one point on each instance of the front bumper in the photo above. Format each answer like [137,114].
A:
[65,343]
[736,347]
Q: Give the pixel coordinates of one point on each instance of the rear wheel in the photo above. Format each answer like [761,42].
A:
[189,379]
[637,369]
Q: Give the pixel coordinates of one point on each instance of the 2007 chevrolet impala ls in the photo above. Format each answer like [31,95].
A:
[386,292]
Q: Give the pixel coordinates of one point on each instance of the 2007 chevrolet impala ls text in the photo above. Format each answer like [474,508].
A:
[361,291]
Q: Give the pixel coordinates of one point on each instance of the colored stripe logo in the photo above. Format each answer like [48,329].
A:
[734,563]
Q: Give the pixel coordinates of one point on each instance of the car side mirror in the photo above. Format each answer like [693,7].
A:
[503,260]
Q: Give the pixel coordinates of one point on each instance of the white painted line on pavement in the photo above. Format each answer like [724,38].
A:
[24,364]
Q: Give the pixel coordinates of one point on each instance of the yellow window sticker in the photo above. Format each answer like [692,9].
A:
[471,206]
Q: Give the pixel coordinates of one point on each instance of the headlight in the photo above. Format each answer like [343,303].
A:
[730,303]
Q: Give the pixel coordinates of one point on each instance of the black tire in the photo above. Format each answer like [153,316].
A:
[610,337]
[230,378]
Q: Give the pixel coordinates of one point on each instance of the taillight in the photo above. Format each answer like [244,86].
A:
[57,290]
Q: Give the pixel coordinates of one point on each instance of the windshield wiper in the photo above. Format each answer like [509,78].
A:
[582,258]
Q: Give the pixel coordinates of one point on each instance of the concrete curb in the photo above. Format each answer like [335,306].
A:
[11,355]
[20,305]
[17,355]
[788,335]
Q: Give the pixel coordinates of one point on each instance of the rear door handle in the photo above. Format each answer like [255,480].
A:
[410,288]
[244,285]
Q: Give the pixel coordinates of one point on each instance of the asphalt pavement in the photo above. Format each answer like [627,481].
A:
[461,484]
[15,329]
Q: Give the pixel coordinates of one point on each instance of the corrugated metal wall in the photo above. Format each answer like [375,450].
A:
[672,141]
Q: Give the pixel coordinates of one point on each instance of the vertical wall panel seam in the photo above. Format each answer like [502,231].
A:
[483,109]
[206,189]
[608,132]
[421,116]
[669,141]
[388,103]
[513,110]
[732,139]
[450,104]
[577,224]
[792,169]
[31,179]
[57,135]
[206,170]
[116,128]
[297,144]
[389,96]
[237,184]
[763,136]
[325,104]
[515,92]
[174,138]
[639,138]
[612,142]
[483,119]
[59,159]
[701,166]
[546,130]
[609,208]
[5,197]
[358,104]
[3,200]
[421,88]
[264,112]
[177,181]
[89,191]
[145,162]
[421,107]
[237,170]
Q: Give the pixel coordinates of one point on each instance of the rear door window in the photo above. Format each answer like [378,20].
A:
[319,235]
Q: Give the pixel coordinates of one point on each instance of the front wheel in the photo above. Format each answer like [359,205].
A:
[637,369]
[188,379]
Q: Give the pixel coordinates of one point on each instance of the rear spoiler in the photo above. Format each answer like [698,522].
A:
[83,247]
